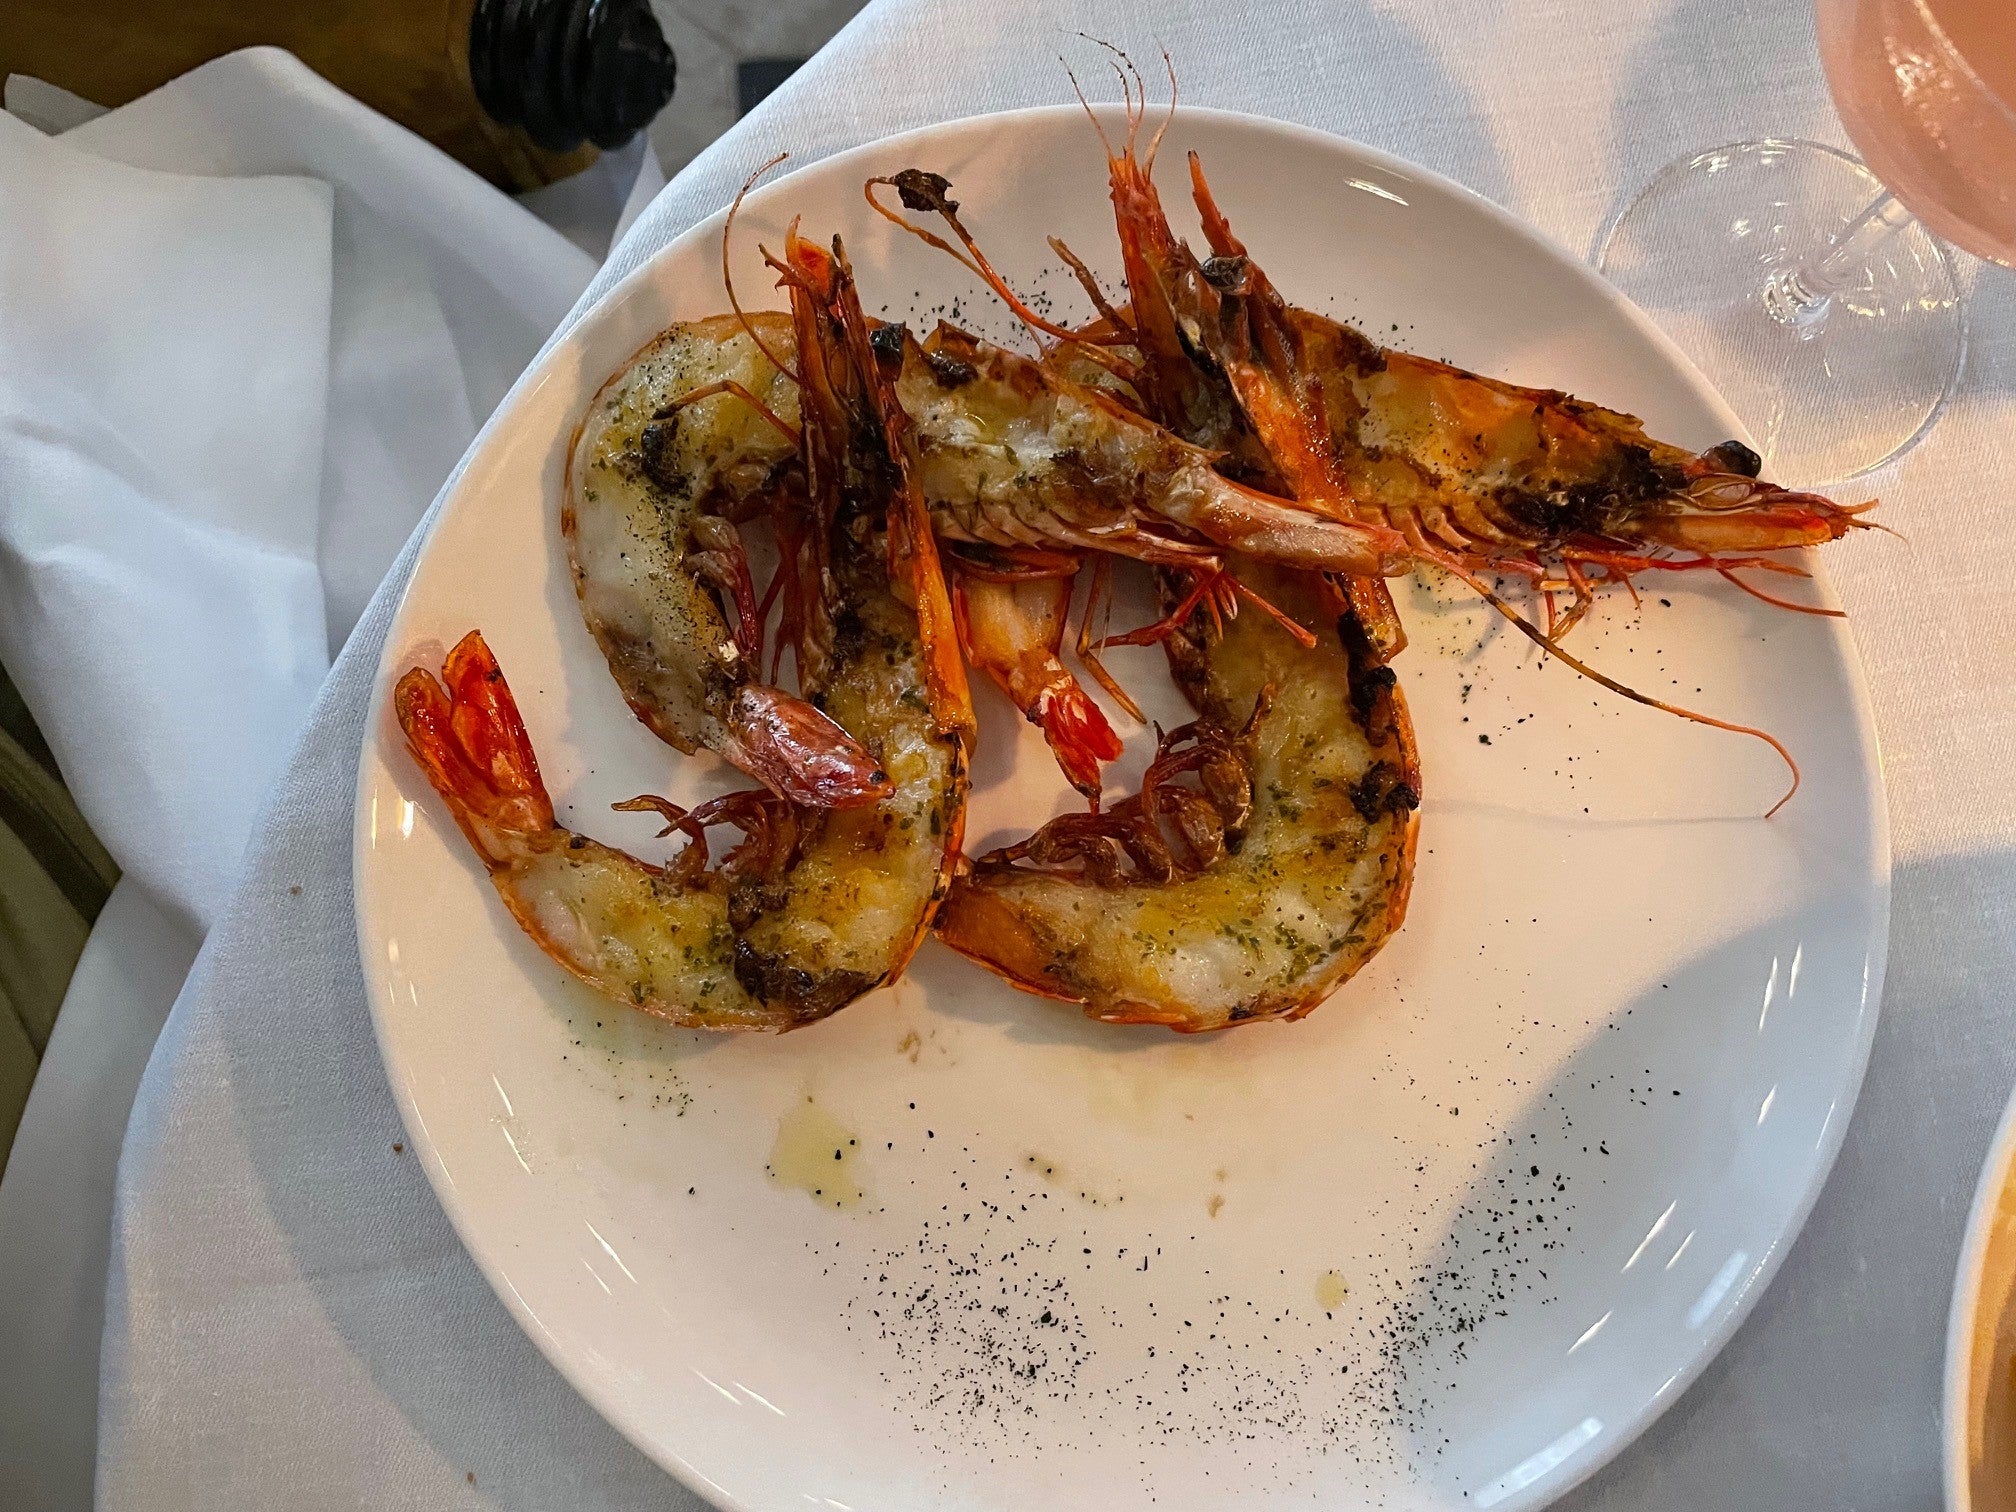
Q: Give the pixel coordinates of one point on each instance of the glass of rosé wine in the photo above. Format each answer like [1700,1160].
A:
[1810,288]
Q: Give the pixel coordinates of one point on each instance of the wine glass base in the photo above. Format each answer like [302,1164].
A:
[1823,402]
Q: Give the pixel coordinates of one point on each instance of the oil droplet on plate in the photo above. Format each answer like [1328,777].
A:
[1331,1290]
[817,1155]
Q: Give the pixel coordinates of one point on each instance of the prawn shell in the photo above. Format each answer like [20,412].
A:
[1312,891]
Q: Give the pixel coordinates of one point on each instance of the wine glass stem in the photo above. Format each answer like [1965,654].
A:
[1801,296]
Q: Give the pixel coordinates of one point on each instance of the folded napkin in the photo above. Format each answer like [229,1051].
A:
[159,599]
[246,328]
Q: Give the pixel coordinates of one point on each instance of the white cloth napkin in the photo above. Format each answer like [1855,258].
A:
[246,328]
[159,599]
[291,1321]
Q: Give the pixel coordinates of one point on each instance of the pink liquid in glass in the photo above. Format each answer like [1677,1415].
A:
[1927,90]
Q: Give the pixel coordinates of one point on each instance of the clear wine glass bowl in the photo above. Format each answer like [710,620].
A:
[1808,286]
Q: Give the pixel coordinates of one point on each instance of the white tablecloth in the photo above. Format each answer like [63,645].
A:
[291,1321]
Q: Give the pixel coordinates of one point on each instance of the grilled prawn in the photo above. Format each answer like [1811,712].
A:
[1489,471]
[819,903]
[877,650]
[998,432]
[1008,453]
[1251,894]
[1476,474]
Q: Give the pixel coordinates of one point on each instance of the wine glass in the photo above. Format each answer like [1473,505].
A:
[1812,295]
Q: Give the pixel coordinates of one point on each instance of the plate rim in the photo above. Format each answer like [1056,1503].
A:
[1628,1430]
[1963,1311]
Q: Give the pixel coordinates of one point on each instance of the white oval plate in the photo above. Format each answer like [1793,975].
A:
[1980,1397]
[1451,1242]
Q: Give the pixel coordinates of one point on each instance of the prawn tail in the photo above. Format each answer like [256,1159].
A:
[1080,736]
[799,752]
[465,732]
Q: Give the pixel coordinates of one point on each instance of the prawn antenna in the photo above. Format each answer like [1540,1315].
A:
[921,190]
[1773,599]
[1090,284]
[1539,638]
[1086,105]
[1155,142]
[1099,607]
[783,427]
[1131,82]
[728,281]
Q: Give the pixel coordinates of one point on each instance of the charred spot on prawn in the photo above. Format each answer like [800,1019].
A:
[1631,486]
[1604,505]
[1554,514]
[1225,274]
[805,995]
[1370,683]
[1362,353]
[1384,789]
[887,341]
[657,455]
[950,371]
[851,636]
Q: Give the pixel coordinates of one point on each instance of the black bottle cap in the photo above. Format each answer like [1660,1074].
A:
[571,71]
